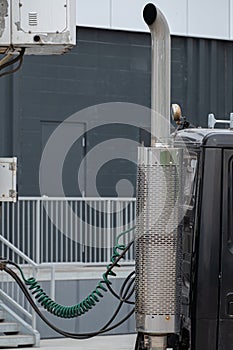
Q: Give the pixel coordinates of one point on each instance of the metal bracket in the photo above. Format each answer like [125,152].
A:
[13,166]
[212,121]
[155,342]
[12,194]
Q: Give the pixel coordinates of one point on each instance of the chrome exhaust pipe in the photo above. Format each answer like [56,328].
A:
[159,200]
[160,73]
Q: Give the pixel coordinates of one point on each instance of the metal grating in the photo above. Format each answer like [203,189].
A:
[158,243]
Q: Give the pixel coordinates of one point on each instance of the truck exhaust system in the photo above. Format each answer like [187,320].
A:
[158,246]
[160,73]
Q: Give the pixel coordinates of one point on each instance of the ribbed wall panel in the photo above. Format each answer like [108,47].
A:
[107,66]
[202,75]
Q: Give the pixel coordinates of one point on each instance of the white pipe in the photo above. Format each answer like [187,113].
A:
[160,73]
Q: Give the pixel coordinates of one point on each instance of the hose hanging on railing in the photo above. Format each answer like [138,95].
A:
[86,304]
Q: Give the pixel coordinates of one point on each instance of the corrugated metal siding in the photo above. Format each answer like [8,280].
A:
[207,79]
[106,66]
[6,115]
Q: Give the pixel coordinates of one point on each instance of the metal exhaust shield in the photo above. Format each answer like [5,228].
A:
[158,245]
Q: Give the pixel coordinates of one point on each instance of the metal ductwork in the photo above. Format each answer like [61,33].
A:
[158,245]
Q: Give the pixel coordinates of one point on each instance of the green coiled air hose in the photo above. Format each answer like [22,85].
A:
[86,304]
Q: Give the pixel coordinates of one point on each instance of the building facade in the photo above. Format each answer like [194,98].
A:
[111,64]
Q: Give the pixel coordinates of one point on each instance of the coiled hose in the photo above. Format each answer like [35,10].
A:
[90,301]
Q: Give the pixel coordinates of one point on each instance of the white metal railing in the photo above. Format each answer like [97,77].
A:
[66,230]
[48,234]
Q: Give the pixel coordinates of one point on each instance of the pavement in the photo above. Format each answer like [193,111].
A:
[111,342]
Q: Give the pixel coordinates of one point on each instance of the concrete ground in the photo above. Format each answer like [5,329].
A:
[111,342]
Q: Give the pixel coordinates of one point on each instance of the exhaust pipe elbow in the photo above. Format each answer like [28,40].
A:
[160,73]
[150,14]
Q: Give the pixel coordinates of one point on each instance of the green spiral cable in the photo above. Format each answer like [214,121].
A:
[86,304]
[116,253]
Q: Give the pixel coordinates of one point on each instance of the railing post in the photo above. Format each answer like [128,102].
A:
[35,273]
[38,231]
[108,238]
[34,319]
[52,289]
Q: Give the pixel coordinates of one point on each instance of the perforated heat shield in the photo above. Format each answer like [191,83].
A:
[158,240]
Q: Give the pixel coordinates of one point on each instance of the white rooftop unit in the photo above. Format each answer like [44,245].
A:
[41,26]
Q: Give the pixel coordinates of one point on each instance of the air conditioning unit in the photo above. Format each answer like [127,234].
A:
[40,26]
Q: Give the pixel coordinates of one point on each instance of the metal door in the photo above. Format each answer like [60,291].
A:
[64,154]
[225,336]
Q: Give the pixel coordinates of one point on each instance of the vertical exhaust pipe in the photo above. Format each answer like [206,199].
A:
[159,200]
[160,73]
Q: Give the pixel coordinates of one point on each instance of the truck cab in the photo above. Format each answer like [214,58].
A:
[207,305]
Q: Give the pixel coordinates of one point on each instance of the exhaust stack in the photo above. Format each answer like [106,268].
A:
[158,245]
[160,73]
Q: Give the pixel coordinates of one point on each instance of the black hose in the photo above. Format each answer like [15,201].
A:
[56,329]
[19,59]
[124,296]
[119,297]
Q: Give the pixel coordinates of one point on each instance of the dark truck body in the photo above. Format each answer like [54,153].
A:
[208,242]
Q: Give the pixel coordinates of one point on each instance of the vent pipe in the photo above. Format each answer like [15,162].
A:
[160,73]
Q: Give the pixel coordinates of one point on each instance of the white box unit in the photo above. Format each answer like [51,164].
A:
[8,170]
[5,24]
[40,26]
[43,16]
